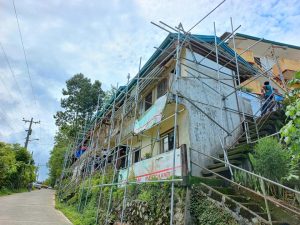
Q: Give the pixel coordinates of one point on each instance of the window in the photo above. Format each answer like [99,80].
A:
[162,87]
[122,158]
[257,61]
[167,141]
[136,155]
[148,101]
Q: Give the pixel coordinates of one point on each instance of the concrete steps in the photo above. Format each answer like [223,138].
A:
[240,202]
[220,164]
[240,205]
[240,151]
[243,205]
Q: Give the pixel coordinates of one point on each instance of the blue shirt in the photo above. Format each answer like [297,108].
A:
[268,90]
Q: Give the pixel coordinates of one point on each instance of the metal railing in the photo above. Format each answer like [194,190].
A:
[262,181]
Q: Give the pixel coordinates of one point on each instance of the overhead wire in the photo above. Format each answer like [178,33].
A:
[24,52]
[25,57]
[4,117]
[11,70]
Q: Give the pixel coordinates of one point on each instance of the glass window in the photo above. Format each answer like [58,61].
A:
[122,158]
[137,155]
[148,101]
[162,87]
[167,142]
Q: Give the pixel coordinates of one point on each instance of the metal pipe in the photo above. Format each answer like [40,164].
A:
[106,161]
[206,16]
[177,75]
[202,81]
[223,41]
[209,117]
[243,51]
[117,154]
[137,182]
[131,141]
[247,189]
[221,98]
[251,173]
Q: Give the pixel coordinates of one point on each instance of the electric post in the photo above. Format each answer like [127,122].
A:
[29,131]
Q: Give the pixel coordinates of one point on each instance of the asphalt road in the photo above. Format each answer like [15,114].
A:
[31,208]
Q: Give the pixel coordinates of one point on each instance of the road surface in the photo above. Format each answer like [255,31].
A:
[31,208]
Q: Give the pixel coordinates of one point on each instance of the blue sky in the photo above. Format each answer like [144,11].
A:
[104,40]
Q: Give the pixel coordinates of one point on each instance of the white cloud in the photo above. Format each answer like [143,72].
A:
[104,40]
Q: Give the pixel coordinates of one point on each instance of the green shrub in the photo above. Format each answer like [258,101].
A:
[204,211]
[145,203]
[270,159]
[246,179]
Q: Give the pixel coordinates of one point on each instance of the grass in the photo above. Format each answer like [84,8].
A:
[69,211]
[5,191]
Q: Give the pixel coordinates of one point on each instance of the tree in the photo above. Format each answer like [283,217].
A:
[55,163]
[16,166]
[7,163]
[79,104]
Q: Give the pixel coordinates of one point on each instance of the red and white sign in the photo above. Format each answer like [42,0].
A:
[158,167]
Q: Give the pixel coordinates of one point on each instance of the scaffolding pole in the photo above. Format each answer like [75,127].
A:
[177,75]
[117,152]
[221,102]
[108,149]
[136,99]
[114,108]
[90,149]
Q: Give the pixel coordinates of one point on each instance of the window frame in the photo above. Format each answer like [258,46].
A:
[148,102]
[164,83]
[139,152]
[167,134]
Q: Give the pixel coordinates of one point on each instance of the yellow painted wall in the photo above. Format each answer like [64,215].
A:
[153,146]
[257,84]
[248,55]
[286,64]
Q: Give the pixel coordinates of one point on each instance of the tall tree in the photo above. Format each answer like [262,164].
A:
[80,102]
[57,155]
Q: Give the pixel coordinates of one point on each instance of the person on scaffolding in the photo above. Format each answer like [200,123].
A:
[268,93]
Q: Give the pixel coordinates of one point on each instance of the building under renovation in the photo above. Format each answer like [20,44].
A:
[184,113]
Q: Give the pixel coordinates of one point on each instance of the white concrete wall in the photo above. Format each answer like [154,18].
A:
[204,134]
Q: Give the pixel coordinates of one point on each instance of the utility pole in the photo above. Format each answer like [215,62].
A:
[29,131]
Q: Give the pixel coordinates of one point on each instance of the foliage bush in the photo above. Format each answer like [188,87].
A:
[270,159]
[205,212]
[145,203]
[17,168]
[291,131]
[246,179]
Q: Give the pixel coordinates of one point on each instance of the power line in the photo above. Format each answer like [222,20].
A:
[10,68]
[25,56]
[4,116]
[4,85]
